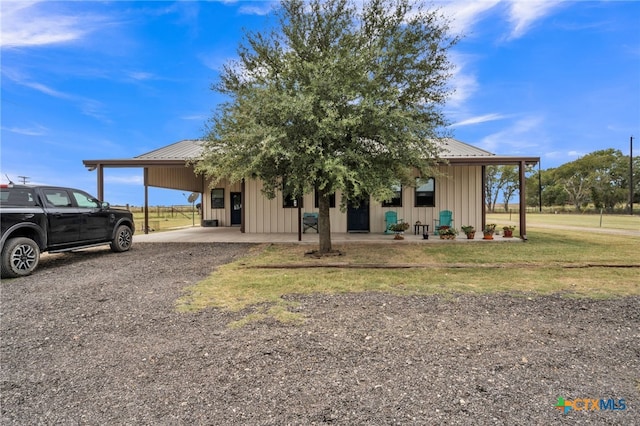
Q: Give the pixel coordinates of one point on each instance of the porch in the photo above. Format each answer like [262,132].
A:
[233,235]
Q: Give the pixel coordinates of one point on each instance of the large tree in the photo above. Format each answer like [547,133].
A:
[340,96]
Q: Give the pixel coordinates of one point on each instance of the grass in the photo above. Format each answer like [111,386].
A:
[607,221]
[552,261]
[164,220]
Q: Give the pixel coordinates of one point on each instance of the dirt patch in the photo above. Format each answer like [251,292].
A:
[93,338]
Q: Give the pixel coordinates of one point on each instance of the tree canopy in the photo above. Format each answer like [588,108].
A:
[339,96]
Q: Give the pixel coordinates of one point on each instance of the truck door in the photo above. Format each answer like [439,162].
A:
[63,217]
[95,223]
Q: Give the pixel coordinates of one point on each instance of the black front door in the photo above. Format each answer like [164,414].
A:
[236,208]
[358,216]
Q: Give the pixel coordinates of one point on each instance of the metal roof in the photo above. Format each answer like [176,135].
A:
[183,150]
[178,154]
[454,148]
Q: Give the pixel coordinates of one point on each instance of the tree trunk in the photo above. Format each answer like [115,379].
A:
[324,223]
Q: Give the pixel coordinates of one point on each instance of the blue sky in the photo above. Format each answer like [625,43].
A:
[96,80]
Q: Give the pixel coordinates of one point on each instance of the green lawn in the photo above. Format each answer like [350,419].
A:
[609,221]
[576,264]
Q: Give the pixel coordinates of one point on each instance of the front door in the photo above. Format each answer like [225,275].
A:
[236,208]
[358,216]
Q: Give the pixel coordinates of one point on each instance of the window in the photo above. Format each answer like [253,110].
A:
[57,197]
[396,200]
[425,192]
[85,201]
[217,198]
[290,202]
[332,199]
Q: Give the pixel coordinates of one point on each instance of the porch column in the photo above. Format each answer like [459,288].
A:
[484,198]
[100,182]
[146,200]
[523,202]
[243,205]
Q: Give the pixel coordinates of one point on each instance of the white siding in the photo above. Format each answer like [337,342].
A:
[458,188]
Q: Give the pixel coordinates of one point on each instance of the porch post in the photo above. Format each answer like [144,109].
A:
[243,205]
[100,182]
[146,200]
[484,198]
[523,203]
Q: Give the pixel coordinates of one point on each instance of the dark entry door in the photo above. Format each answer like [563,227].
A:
[358,217]
[236,208]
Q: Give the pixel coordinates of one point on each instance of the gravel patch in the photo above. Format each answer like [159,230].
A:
[93,338]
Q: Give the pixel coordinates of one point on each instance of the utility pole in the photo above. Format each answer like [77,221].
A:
[631,175]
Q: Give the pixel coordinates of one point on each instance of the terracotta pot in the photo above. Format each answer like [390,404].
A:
[471,235]
[488,237]
[508,233]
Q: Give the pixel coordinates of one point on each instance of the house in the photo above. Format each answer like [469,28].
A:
[458,187]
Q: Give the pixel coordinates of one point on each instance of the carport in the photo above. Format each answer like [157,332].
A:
[169,167]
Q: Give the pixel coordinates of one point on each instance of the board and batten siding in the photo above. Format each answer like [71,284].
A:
[180,178]
[458,188]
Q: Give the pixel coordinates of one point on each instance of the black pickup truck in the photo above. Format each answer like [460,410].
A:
[51,219]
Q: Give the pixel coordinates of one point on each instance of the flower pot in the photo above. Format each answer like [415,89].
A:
[508,233]
[488,237]
[471,235]
[398,237]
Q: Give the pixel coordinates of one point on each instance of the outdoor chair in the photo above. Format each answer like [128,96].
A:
[390,218]
[446,219]
[309,220]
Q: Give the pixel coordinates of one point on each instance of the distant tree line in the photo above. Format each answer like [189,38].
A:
[599,179]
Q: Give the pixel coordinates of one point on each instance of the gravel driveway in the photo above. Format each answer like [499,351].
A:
[93,338]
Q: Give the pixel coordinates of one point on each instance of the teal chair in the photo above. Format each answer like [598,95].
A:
[309,221]
[446,219]
[390,218]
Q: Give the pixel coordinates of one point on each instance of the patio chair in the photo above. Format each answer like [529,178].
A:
[309,220]
[390,218]
[446,219]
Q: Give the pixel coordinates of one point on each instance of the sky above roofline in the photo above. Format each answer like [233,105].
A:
[85,80]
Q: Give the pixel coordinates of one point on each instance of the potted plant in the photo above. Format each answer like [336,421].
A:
[508,231]
[399,229]
[488,231]
[447,233]
[469,231]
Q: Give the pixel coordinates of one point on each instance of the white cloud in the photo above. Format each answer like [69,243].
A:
[463,82]
[141,75]
[479,119]
[524,133]
[523,14]
[38,130]
[261,9]
[465,14]
[576,154]
[24,24]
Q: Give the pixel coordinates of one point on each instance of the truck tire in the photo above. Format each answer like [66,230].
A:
[20,257]
[122,239]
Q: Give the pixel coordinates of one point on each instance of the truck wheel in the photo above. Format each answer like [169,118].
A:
[122,240]
[20,257]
